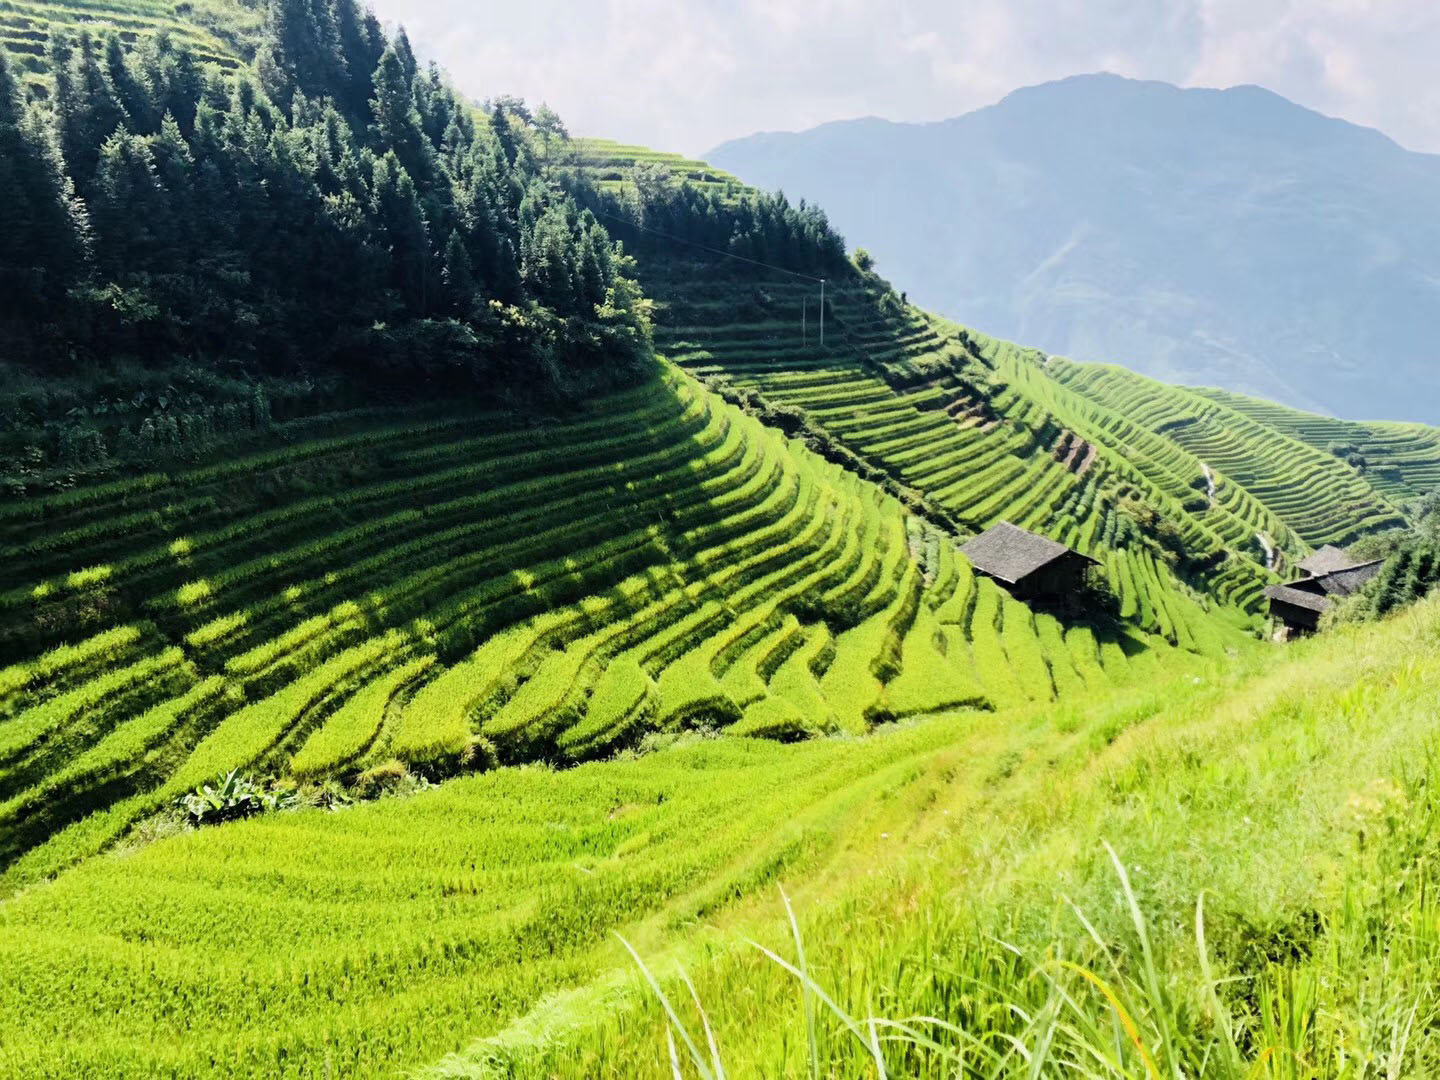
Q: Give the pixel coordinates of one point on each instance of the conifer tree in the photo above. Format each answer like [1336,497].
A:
[459,274]
[301,51]
[41,228]
[397,125]
[326,207]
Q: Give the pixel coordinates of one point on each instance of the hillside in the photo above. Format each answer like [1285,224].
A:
[220,32]
[188,250]
[979,429]
[1400,460]
[343,728]
[1227,239]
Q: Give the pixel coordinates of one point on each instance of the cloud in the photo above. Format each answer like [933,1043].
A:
[687,74]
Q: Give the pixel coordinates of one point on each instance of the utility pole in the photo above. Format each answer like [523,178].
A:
[822,313]
[805,321]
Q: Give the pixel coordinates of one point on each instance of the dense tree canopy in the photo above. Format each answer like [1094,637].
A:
[332,209]
[659,212]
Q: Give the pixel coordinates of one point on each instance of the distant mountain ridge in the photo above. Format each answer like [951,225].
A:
[1210,237]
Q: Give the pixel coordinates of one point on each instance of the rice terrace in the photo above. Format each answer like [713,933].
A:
[479,601]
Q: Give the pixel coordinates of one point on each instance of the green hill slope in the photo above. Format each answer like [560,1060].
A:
[661,562]
[1399,460]
[1236,484]
[220,32]
[390,935]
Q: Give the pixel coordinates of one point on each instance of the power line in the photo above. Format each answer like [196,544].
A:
[703,247]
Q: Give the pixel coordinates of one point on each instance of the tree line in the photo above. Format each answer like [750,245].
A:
[330,207]
[656,213]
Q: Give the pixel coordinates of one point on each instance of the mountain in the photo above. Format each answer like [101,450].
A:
[1227,238]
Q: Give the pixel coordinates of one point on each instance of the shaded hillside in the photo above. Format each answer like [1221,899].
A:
[1217,238]
[186,248]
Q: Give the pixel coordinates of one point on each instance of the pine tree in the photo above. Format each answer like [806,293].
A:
[131,93]
[41,229]
[301,51]
[87,110]
[504,136]
[130,209]
[362,43]
[397,126]
[288,213]
[459,274]
[397,208]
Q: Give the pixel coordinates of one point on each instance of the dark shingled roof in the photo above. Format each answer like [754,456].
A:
[1328,560]
[1011,555]
[1350,580]
[1295,598]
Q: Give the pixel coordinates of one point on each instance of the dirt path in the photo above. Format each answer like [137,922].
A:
[1210,485]
[1272,557]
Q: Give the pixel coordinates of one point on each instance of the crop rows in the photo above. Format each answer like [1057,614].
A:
[662,562]
[1399,460]
[1317,495]
[379,938]
[897,390]
[211,30]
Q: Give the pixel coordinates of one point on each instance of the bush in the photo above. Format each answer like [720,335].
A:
[232,797]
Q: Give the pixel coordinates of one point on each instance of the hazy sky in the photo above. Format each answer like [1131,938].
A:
[687,74]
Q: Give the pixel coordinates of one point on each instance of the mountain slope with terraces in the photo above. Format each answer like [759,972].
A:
[614,663]
[982,430]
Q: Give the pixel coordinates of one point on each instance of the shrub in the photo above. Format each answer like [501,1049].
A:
[232,797]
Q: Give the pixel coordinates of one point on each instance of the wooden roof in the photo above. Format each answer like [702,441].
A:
[1328,560]
[1308,601]
[1339,582]
[1011,554]
[1349,580]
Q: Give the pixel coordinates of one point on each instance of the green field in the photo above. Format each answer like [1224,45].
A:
[1400,460]
[662,563]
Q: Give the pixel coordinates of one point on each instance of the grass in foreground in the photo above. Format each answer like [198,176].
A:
[1269,909]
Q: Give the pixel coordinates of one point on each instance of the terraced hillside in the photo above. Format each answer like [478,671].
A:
[942,414]
[1399,460]
[1163,470]
[758,546]
[213,31]
[611,165]
[381,938]
[988,430]
[1318,496]
[661,562]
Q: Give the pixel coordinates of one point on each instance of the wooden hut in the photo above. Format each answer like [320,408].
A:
[1330,574]
[1300,611]
[1032,567]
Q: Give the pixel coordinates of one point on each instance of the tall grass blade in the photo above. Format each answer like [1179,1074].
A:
[811,1037]
[676,1024]
[705,1023]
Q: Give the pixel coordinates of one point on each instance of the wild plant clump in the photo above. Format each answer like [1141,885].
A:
[233,797]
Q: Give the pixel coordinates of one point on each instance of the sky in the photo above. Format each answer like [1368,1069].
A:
[686,75]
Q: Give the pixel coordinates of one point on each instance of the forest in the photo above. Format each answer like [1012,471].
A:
[330,222]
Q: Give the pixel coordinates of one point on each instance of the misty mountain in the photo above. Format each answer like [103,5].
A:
[1227,238]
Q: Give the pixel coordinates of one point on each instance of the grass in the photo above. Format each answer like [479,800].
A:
[217,32]
[1108,901]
